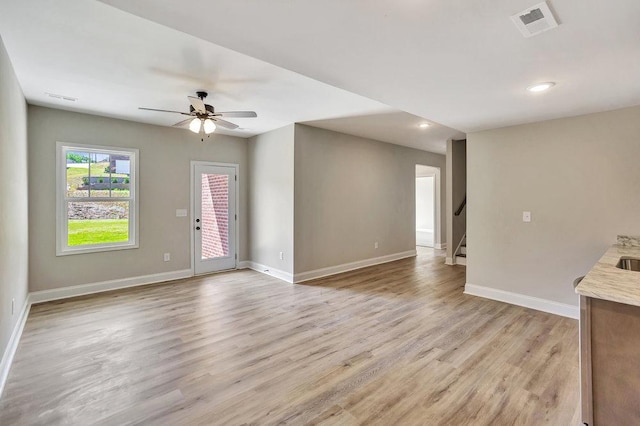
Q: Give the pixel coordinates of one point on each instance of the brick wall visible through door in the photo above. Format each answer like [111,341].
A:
[215,215]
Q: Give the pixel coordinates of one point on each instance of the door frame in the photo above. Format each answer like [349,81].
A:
[434,223]
[192,202]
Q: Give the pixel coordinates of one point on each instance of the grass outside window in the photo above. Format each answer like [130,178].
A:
[97,231]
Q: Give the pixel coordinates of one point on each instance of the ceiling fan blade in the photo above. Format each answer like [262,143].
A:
[224,123]
[238,114]
[163,110]
[183,122]
[197,104]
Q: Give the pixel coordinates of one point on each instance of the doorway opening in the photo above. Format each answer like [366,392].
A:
[428,207]
[213,194]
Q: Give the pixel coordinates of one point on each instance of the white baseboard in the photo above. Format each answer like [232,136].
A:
[12,346]
[442,246]
[544,305]
[276,273]
[345,267]
[99,287]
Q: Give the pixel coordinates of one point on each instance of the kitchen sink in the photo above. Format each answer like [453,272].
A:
[629,263]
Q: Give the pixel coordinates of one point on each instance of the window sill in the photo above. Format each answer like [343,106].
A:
[95,249]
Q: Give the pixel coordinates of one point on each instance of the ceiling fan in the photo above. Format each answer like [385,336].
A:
[205,118]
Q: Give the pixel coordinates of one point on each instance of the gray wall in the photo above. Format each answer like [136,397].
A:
[14,226]
[271,198]
[164,169]
[351,192]
[578,176]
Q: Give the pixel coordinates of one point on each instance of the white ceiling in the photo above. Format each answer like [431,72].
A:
[393,126]
[454,62]
[115,62]
[461,63]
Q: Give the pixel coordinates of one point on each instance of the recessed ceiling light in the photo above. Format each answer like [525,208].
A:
[541,87]
[424,125]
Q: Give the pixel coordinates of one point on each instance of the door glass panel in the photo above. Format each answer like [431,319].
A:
[215,215]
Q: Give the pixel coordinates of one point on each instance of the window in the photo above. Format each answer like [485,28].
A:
[96,197]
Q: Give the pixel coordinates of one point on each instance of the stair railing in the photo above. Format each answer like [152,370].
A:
[461,207]
[458,249]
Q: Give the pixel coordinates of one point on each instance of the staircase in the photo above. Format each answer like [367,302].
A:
[459,225]
[461,253]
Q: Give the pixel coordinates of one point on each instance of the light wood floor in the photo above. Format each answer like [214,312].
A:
[395,344]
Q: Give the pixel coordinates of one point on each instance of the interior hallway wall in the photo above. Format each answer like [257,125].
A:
[579,178]
[351,192]
[14,223]
[271,161]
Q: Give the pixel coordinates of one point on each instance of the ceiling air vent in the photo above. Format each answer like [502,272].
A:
[534,20]
[61,97]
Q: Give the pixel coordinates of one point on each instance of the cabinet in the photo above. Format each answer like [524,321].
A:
[609,362]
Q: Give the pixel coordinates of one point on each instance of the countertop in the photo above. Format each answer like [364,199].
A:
[606,281]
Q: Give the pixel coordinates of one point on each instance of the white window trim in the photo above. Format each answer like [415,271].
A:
[62,249]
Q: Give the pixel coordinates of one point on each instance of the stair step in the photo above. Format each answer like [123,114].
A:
[462,255]
[463,250]
[461,259]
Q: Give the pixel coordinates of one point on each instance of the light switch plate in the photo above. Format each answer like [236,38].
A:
[181,213]
[526,216]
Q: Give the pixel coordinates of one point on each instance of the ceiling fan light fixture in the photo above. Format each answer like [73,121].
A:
[204,118]
[194,126]
[209,126]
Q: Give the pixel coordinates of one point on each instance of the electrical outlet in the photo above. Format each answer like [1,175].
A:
[167,257]
[13,306]
[281,255]
[375,245]
[526,216]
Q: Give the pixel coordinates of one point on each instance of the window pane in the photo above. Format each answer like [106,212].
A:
[97,199]
[96,174]
[102,222]
[120,166]
[77,174]
[100,175]
[120,186]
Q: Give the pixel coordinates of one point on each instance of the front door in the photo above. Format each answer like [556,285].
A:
[214,217]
